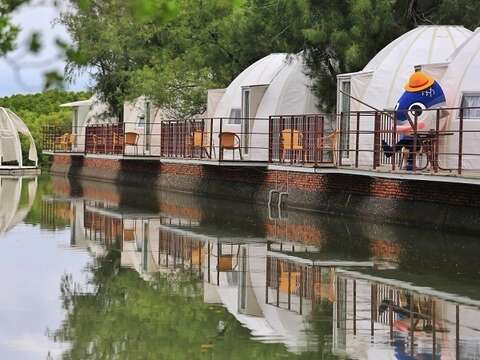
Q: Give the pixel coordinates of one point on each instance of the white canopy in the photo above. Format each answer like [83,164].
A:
[10,147]
[460,79]
[392,66]
[380,83]
[287,87]
[289,92]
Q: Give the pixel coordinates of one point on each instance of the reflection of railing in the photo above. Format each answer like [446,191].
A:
[180,250]
[290,283]
[102,228]
[56,214]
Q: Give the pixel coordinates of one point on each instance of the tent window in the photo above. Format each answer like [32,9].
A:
[235,116]
[471,100]
[141,121]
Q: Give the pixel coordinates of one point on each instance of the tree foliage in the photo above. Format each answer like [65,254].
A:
[125,317]
[8,31]
[174,53]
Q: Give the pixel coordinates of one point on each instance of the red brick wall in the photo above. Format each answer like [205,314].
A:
[412,190]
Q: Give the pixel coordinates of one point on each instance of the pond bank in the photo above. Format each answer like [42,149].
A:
[432,204]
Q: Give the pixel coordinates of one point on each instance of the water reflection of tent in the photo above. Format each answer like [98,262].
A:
[14,209]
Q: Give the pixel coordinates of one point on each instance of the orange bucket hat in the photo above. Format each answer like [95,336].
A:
[418,81]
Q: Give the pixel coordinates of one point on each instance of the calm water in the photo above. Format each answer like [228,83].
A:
[94,271]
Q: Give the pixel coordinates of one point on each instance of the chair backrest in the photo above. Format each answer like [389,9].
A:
[227,140]
[131,138]
[198,138]
[71,138]
[289,137]
[225,263]
[64,137]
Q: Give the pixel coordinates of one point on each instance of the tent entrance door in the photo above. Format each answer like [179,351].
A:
[147,126]
[245,130]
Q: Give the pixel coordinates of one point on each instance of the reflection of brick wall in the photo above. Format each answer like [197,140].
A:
[98,193]
[174,210]
[384,249]
[305,234]
[61,186]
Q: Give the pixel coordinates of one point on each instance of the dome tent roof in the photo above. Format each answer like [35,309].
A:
[392,66]
[288,89]
[463,71]
[262,72]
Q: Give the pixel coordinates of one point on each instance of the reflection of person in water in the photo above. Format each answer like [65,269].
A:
[421,93]
[403,311]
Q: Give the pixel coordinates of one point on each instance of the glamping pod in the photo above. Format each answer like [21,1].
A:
[381,83]
[11,126]
[462,89]
[84,113]
[274,85]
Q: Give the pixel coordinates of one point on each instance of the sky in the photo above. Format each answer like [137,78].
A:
[26,75]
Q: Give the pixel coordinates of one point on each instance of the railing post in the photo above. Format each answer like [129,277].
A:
[415,124]
[220,157]
[394,139]
[123,138]
[340,141]
[270,139]
[315,140]
[376,141]
[291,140]
[85,140]
[201,139]
[436,142]
[357,140]
[281,145]
[211,137]
[306,131]
[460,143]
[184,139]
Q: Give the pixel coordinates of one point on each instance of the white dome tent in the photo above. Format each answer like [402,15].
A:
[274,85]
[10,146]
[380,83]
[462,89]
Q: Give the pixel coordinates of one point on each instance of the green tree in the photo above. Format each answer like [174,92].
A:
[344,35]
[8,31]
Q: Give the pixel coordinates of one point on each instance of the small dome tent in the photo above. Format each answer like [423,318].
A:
[380,83]
[10,147]
[274,85]
[462,89]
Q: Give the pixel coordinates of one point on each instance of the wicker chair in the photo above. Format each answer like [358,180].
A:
[230,141]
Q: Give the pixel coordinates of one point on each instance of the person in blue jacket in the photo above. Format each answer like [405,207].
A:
[421,92]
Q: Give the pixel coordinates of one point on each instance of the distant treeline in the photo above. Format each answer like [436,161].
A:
[41,109]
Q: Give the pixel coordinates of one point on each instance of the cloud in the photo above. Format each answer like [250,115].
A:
[22,72]
[33,346]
